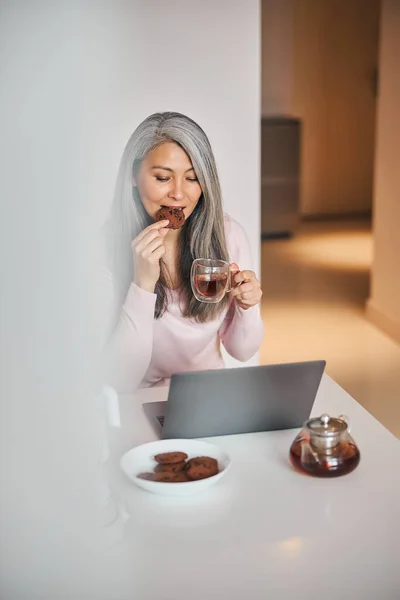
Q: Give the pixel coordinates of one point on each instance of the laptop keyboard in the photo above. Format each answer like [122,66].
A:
[161,421]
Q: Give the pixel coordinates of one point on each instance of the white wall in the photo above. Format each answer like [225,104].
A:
[383,307]
[202,59]
[48,213]
[75,81]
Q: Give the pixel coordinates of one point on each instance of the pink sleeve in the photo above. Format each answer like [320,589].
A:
[128,350]
[242,331]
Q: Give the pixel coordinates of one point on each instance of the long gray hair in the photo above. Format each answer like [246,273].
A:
[203,234]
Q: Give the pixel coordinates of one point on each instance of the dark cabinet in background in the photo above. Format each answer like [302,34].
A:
[280,175]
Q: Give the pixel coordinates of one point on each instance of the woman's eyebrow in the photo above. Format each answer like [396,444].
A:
[168,169]
[161,167]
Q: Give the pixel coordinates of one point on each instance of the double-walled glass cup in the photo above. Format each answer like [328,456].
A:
[211,279]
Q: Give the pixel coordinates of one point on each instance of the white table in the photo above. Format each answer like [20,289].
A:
[266,532]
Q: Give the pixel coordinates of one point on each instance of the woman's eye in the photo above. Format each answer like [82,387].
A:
[164,179]
[192,179]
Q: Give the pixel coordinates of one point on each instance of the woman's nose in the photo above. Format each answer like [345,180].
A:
[176,191]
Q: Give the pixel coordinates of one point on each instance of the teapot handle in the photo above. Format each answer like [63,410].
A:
[346,419]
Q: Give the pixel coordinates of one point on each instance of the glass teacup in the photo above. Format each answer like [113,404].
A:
[211,279]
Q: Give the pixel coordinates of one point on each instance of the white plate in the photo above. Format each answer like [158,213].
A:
[141,460]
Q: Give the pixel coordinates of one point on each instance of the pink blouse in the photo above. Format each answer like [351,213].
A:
[143,351]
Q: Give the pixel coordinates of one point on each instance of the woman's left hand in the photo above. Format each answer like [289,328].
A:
[247,289]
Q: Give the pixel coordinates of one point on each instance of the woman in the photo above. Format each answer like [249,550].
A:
[160,328]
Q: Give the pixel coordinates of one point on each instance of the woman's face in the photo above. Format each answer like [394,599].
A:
[166,178]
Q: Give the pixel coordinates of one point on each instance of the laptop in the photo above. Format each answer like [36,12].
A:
[230,401]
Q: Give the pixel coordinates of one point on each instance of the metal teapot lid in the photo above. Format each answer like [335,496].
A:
[326,426]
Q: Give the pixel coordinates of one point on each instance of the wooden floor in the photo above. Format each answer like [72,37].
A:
[315,287]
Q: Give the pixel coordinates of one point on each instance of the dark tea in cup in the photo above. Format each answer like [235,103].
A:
[210,279]
[210,284]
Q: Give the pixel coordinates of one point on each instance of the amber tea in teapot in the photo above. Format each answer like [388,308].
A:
[325,448]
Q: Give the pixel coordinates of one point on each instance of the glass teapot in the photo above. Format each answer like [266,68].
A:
[325,448]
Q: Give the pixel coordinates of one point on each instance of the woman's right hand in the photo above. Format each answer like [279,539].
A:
[148,248]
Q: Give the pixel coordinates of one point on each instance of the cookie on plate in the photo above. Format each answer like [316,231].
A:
[147,476]
[201,467]
[168,477]
[170,468]
[170,458]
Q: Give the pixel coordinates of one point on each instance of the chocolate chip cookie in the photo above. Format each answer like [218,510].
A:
[170,458]
[201,467]
[174,215]
[170,468]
